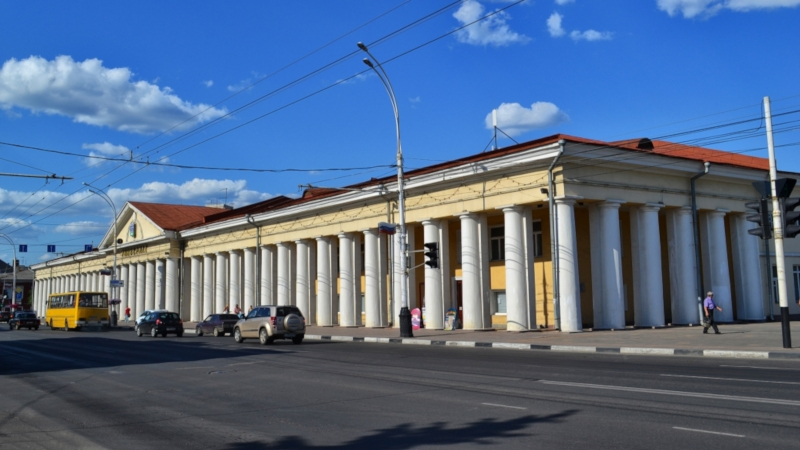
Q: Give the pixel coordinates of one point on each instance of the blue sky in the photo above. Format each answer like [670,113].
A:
[131,79]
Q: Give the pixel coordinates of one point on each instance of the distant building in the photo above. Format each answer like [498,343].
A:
[561,231]
[24,285]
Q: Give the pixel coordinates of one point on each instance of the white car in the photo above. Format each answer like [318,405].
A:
[145,313]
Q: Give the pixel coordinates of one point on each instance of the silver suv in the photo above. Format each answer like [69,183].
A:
[270,322]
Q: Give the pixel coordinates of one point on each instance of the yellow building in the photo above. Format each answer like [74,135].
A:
[560,232]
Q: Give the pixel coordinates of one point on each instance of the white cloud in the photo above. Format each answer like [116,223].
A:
[556,30]
[92,94]
[590,35]
[208,83]
[416,99]
[564,2]
[104,149]
[491,31]
[515,119]
[81,228]
[707,8]
[554,25]
[196,192]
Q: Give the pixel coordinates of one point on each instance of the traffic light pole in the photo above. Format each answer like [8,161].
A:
[777,224]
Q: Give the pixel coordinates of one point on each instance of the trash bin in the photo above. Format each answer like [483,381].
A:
[113,318]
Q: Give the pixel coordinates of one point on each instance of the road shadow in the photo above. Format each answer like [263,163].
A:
[28,356]
[488,431]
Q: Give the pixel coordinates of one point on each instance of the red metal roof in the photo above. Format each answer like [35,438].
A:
[174,217]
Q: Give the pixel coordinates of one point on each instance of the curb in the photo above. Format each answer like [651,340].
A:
[567,348]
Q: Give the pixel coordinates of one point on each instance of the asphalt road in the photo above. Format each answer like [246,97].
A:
[113,390]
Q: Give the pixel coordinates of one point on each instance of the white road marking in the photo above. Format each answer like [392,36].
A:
[728,379]
[734,398]
[765,368]
[195,367]
[40,354]
[709,432]
[503,406]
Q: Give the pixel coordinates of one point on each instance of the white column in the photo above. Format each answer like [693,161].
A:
[141,287]
[123,291]
[682,266]
[208,285]
[249,278]
[746,270]
[284,274]
[234,282]
[520,301]
[269,275]
[476,312]
[150,286]
[648,286]
[327,297]
[196,289]
[83,284]
[716,275]
[347,294]
[608,300]
[171,285]
[568,280]
[434,303]
[375,279]
[106,279]
[221,282]
[160,275]
[305,282]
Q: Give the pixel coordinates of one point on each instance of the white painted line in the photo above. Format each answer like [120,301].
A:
[416,342]
[510,345]
[371,339]
[315,337]
[728,379]
[460,344]
[709,432]
[734,398]
[757,367]
[342,338]
[503,406]
[573,348]
[197,367]
[647,351]
[735,354]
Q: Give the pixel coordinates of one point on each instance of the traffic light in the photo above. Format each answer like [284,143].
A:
[432,253]
[761,218]
[791,218]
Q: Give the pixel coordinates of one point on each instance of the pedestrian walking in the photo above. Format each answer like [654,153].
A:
[127,313]
[226,310]
[237,310]
[708,310]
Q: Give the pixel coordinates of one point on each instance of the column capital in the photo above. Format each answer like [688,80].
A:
[321,238]
[652,206]
[429,221]
[512,207]
[567,199]
[221,253]
[344,235]
[283,244]
[719,212]
[683,210]
[611,203]
[465,214]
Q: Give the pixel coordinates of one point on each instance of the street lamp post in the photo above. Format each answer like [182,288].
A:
[405,314]
[104,196]
[14,269]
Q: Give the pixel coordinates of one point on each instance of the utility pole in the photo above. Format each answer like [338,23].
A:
[777,223]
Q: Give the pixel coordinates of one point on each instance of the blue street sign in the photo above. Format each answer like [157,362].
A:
[51,249]
[23,248]
[87,248]
[19,295]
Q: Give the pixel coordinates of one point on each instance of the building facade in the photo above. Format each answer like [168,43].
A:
[561,232]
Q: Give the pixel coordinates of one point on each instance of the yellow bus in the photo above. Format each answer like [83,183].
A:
[73,310]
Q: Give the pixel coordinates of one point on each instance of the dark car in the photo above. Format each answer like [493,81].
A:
[24,319]
[217,324]
[5,315]
[160,322]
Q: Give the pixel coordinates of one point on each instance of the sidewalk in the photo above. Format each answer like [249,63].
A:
[751,340]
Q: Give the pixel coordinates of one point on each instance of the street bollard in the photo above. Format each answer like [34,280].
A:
[113,318]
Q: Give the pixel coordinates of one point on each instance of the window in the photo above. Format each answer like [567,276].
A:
[796,273]
[497,242]
[498,305]
[538,246]
[94,300]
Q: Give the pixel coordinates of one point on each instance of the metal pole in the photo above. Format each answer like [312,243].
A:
[777,224]
[104,196]
[695,227]
[13,270]
[405,314]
